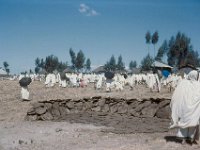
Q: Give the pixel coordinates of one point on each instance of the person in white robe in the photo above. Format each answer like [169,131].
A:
[50,80]
[185,107]
[25,93]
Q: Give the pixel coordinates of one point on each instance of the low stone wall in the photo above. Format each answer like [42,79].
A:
[56,109]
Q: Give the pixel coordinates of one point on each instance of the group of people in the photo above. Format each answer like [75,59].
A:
[185,102]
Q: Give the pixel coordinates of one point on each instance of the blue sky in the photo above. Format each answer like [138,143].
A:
[38,28]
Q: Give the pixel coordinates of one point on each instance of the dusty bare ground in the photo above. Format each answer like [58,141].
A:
[17,134]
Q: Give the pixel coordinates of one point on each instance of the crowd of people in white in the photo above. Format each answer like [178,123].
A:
[184,105]
[118,82]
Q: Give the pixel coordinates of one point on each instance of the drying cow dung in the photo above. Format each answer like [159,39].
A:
[25,81]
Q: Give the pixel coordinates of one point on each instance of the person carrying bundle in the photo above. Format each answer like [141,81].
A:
[24,82]
[109,79]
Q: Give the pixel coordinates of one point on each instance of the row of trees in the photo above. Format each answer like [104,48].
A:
[52,63]
[78,63]
[112,65]
[49,64]
[178,50]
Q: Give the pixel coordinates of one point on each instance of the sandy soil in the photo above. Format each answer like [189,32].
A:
[17,134]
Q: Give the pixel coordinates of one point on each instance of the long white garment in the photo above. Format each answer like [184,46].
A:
[50,80]
[185,103]
[25,93]
[188,132]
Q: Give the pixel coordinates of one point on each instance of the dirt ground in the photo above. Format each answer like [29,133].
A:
[18,134]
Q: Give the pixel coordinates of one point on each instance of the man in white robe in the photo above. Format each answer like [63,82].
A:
[185,107]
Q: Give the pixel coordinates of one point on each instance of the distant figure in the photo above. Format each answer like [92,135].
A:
[24,82]
[153,82]
[98,84]
[185,106]
[50,80]
[109,80]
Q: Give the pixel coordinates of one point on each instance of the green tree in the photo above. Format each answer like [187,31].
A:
[51,63]
[6,65]
[120,64]
[154,40]
[132,64]
[88,64]
[160,54]
[148,39]
[37,69]
[181,51]
[193,58]
[172,60]
[111,64]
[80,59]
[42,64]
[146,63]
[62,66]
[73,58]
[162,51]
[30,71]
[37,64]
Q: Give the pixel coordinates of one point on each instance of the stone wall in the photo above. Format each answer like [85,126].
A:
[143,108]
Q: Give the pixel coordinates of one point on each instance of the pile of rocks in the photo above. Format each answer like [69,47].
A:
[143,108]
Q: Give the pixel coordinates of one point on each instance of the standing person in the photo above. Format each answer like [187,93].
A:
[185,107]
[25,93]
[24,82]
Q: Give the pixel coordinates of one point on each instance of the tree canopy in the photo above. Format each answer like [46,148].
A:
[181,51]
[120,64]
[162,51]
[6,65]
[88,64]
[73,58]
[154,40]
[146,63]
[148,39]
[50,64]
[111,64]
[80,60]
[132,64]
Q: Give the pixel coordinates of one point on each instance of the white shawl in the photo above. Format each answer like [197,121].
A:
[185,103]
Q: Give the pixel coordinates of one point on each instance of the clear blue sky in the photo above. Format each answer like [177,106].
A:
[38,28]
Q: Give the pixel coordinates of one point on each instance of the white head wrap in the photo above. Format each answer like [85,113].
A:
[193,75]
